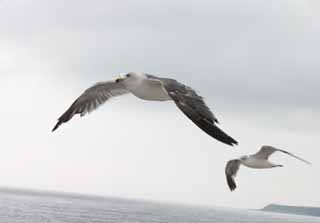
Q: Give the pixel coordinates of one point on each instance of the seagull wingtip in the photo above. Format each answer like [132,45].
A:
[307,162]
[235,143]
[56,127]
[232,188]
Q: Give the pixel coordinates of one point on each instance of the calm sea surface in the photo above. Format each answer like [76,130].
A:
[34,207]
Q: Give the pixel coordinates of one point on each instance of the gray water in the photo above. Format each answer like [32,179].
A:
[34,207]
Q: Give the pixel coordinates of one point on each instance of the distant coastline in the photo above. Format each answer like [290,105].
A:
[298,210]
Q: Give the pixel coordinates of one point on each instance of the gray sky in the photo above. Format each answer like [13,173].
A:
[255,62]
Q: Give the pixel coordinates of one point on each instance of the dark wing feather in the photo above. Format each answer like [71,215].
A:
[91,99]
[231,170]
[194,107]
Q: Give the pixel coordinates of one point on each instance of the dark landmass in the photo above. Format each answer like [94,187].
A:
[309,211]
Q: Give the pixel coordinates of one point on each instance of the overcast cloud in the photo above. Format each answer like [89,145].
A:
[255,61]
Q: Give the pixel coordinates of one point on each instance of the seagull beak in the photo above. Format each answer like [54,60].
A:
[120,78]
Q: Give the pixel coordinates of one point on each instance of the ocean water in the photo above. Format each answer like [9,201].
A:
[40,207]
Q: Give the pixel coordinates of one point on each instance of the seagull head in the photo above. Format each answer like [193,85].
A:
[127,76]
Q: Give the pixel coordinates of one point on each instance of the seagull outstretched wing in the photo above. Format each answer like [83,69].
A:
[91,99]
[195,108]
[231,171]
[266,151]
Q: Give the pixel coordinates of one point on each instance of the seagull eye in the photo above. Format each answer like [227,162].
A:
[128,75]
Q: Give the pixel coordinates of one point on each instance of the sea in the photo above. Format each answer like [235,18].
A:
[19,206]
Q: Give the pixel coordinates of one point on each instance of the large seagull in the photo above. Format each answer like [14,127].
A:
[258,160]
[149,87]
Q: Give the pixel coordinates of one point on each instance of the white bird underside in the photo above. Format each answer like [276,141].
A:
[258,160]
[254,163]
[152,88]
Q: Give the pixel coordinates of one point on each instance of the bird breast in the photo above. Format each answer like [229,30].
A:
[151,90]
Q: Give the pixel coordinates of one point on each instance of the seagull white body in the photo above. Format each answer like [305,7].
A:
[146,89]
[255,163]
[151,88]
[258,160]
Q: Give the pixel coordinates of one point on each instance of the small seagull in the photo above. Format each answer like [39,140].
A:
[258,160]
[152,88]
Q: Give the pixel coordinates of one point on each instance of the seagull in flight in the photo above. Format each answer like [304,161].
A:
[258,160]
[152,88]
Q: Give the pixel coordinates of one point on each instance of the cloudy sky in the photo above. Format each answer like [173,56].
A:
[255,61]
